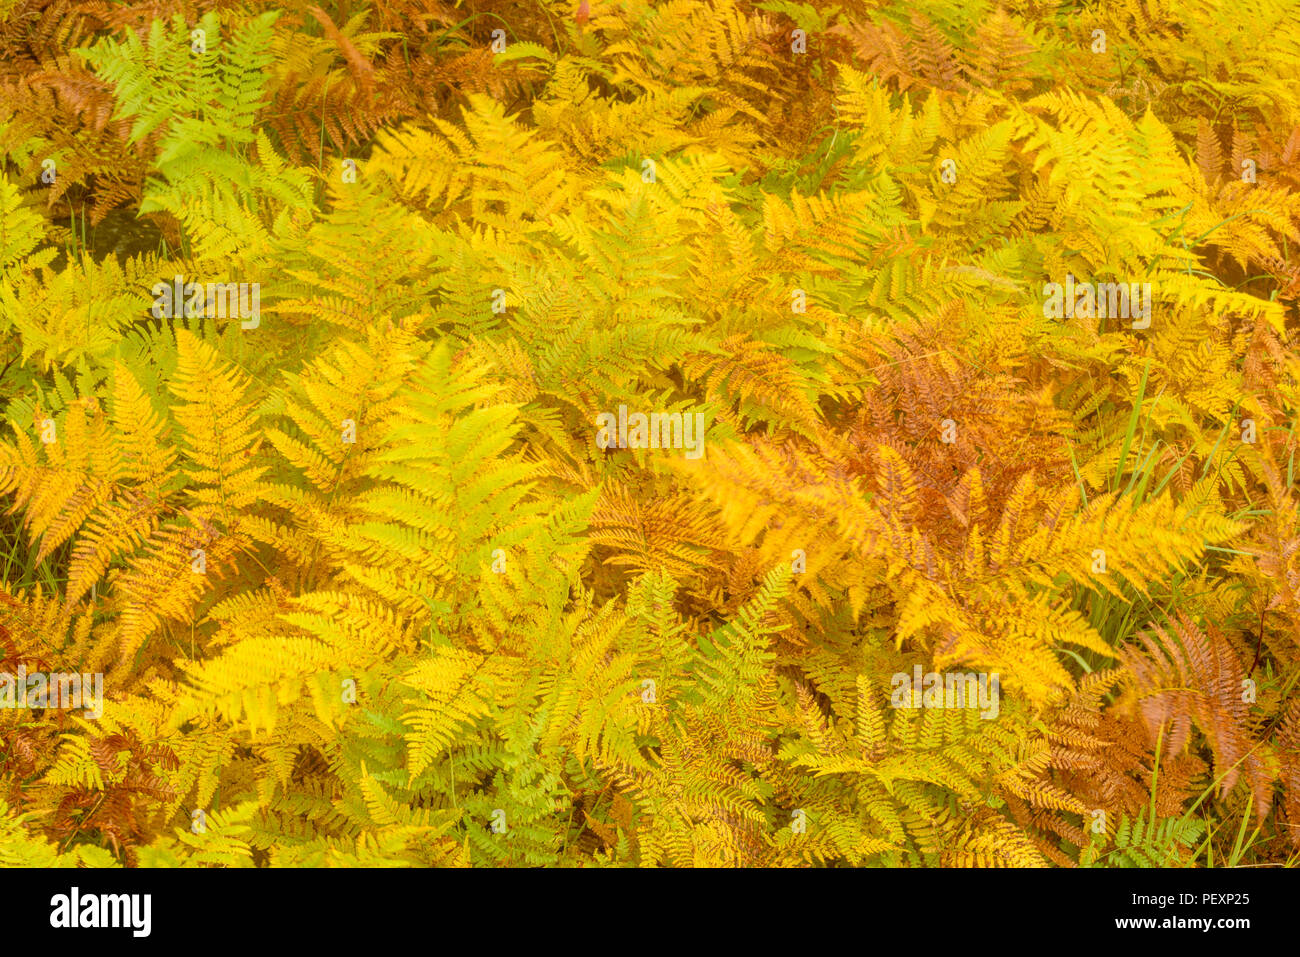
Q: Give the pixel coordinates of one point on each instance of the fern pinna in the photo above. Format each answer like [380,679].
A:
[712,433]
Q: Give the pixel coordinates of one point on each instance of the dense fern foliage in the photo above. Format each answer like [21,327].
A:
[379,565]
